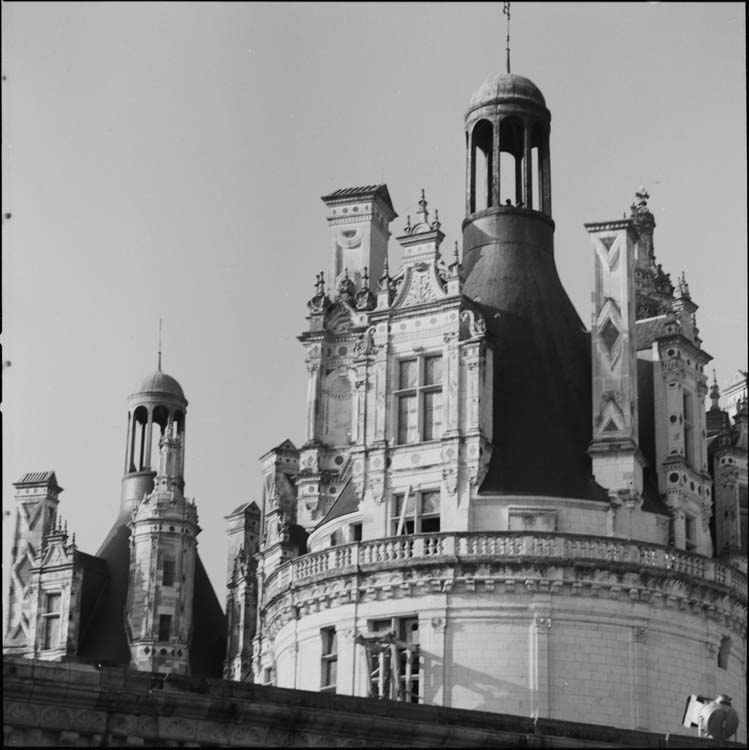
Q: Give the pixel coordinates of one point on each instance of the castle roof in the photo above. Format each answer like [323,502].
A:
[504,87]
[38,477]
[361,193]
[103,638]
[161,383]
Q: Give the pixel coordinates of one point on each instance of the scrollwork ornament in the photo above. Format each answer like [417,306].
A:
[365,344]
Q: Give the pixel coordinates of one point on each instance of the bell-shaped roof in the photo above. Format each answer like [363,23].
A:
[506,86]
[160,382]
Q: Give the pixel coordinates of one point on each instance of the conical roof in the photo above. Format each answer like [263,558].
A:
[542,377]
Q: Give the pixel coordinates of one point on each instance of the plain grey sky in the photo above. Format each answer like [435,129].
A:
[168,160]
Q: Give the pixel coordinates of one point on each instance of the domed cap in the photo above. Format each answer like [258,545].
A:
[504,87]
[160,382]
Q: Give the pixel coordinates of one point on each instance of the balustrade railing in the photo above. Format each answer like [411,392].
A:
[466,546]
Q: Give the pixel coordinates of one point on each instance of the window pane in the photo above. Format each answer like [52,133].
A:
[430,502]
[168,579]
[433,370]
[432,415]
[331,672]
[407,375]
[409,629]
[408,422]
[52,632]
[165,627]
[329,641]
[409,505]
[430,525]
[53,602]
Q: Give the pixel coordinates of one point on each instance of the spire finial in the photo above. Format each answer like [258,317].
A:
[506,11]
[160,320]
[715,393]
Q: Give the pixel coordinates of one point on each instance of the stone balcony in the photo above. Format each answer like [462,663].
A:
[478,561]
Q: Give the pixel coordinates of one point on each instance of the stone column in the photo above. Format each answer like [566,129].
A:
[313,390]
[639,667]
[538,682]
[527,167]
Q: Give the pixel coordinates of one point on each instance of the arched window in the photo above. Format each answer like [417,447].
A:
[158,427]
[539,160]
[138,439]
[510,161]
[482,166]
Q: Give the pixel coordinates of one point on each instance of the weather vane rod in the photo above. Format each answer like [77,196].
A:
[506,11]
[159,343]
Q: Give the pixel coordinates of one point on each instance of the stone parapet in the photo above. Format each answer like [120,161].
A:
[75,705]
[554,551]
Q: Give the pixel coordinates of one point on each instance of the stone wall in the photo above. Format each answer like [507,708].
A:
[74,705]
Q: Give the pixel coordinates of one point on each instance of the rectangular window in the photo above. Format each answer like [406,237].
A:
[690,533]
[268,676]
[165,627]
[168,573]
[419,399]
[356,532]
[329,660]
[392,651]
[51,618]
[421,515]
[688,415]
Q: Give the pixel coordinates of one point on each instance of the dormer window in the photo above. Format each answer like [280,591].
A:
[51,620]
[419,399]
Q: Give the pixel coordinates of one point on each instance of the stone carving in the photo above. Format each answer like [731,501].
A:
[474,322]
[338,319]
[365,344]
[420,287]
[375,488]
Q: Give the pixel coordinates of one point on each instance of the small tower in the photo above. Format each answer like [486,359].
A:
[618,461]
[163,553]
[541,399]
[243,528]
[37,497]
[358,221]
[158,401]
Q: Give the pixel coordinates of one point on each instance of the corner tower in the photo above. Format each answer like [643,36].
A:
[541,373]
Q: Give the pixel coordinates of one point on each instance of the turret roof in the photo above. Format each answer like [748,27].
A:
[506,87]
[159,382]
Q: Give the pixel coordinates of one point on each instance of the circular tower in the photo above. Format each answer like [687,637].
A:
[542,368]
[157,406]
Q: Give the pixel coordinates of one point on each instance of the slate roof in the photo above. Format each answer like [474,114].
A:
[504,87]
[650,330]
[38,477]
[104,639]
[542,376]
[346,502]
[160,382]
[365,191]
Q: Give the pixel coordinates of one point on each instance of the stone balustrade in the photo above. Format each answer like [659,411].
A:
[520,547]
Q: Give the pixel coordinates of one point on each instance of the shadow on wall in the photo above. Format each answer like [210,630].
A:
[465,687]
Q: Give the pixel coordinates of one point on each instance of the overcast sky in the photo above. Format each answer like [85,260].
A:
[168,160]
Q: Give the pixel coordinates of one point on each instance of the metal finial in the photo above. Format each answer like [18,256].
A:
[506,12]
[160,320]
